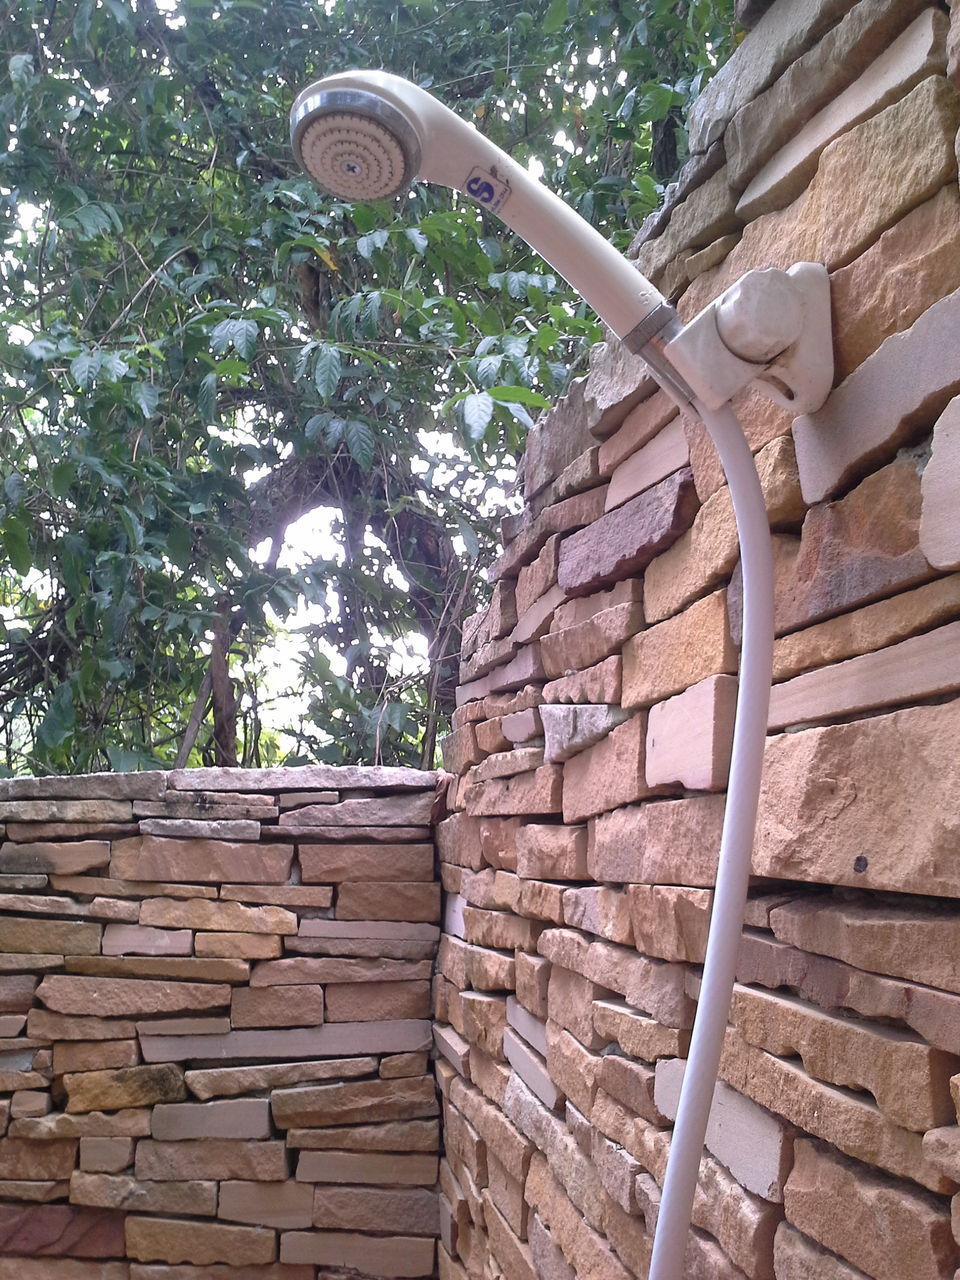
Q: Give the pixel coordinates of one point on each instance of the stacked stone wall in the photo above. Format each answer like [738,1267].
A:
[214,1025]
[591,743]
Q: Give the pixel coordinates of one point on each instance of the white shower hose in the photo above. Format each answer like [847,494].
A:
[736,846]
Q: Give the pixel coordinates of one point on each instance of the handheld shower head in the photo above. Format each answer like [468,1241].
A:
[353,143]
[367,135]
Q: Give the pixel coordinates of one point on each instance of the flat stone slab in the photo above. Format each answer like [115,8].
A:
[308,777]
[338,1038]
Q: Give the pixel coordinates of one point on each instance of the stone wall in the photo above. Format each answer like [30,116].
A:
[214,1011]
[591,743]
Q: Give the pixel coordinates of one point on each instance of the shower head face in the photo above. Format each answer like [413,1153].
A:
[353,143]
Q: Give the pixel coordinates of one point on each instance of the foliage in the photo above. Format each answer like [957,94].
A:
[200,349]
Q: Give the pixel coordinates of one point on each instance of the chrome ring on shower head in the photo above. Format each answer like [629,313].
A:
[353,143]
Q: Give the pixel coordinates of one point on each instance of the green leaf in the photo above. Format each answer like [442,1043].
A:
[327,370]
[518,395]
[207,398]
[360,442]
[241,335]
[477,410]
[146,397]
[84,369]
[16,543]
[556,17]
[60,718]
[20,67]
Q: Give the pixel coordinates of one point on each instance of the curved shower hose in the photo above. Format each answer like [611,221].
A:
[366,135]
[736,845]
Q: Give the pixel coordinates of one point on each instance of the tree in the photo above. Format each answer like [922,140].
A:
[200,349]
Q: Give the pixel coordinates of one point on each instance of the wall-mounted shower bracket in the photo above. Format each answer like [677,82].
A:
[771,330]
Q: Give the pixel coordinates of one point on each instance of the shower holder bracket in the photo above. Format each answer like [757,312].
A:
[771,330]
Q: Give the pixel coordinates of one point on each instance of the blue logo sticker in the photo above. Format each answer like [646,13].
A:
[486,189]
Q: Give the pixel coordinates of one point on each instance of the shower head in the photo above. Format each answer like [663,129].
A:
[354,143]
[368,135]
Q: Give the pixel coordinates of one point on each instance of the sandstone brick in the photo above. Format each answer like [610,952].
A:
[499,929]
[532,979]
[877,936]
[649,985]
[209,861]
[369,1208]
[227,916]
[912,56]
[670,921]
[572,1067]
[371,1001]
[586,643]
[55,1230]
[514,1257]
[238,946]
[540,900]
[105,1155]
[505,764]
[880,405]
[57,1125]
[557,852]
[561,516]
[371,1255]
[388,900]
[818,75]
[569,997]
[608,774]
[287,1205]
[698,561]
[911,266]
[881,1225]
[665,842]
[33,853]
[836,219]
[939,525]
[21,1268]
[571,729]
[678,652]
[171,967]
[622,543]
[220,1158]
[301,1006]
[616,382]
[908,1079]
[22,934]
[869,628]
[690,735]
[201,1243]
[484,1019]
[228,1118]
[823,788]
[536,792]
[598,684]
[539,575]
[763,423]
[755,1145]
[20,1158]
[585,1249]
[665,453]
[795,1257]
[337,1104]
[831,984]
[599,909]
[103,1191]
[112,1090]
[849,555]
[637,1036]
[214,1082]
[384,861]
[852,1124]
[124,939]
[69,994]
[391,1135]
